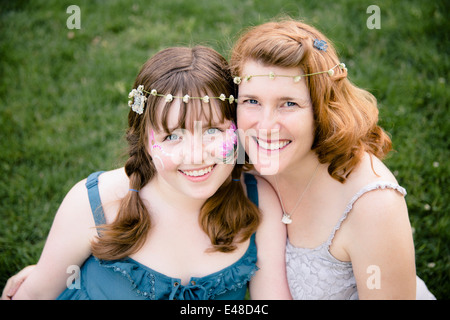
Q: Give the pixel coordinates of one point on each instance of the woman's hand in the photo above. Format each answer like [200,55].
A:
[13,283]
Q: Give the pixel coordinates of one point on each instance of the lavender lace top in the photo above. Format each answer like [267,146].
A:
[317,275]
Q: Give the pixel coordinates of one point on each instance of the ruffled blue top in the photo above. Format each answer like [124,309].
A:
[127,279]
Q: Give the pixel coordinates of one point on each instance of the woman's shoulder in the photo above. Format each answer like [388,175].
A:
[369,171]
[374,195]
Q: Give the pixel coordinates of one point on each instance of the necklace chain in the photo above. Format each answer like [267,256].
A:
[287,218]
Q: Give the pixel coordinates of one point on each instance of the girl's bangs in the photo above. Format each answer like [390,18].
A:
[208,113]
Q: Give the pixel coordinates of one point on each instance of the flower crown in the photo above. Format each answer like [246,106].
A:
[271,75]
[138,99]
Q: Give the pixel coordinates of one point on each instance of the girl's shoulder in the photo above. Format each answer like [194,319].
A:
[112,186]
[269,203]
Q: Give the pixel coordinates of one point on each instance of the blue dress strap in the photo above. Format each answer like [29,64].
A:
[94,198]
[252,189]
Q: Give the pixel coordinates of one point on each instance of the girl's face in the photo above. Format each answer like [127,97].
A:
[275,118]
[196,161]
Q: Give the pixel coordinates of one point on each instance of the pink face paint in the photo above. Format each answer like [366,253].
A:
[157,146]
[229,145]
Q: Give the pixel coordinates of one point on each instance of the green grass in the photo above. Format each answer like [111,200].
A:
[63,98]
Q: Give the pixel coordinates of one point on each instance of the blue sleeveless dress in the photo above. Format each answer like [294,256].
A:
[127,279]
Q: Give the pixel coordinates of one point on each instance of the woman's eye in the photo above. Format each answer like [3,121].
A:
[290,104]
[252,101]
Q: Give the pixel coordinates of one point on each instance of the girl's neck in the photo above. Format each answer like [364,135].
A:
[165,196]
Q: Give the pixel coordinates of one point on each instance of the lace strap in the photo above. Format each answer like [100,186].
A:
[370,187]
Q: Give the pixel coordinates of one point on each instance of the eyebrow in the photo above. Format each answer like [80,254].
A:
[205,124]
[282,98]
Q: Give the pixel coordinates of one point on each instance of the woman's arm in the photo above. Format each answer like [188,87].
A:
[270,281]
[67,245]
[381,247]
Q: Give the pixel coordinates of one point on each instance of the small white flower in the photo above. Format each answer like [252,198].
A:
[271,75]
[297,78]
[330,72]
[153,92]
[138,110]
[222,97]
[132,93]
[186,99]
[169,98]
[342,65]
[137,99]
[205,99]
[231,99]
[247,78]
[237,80]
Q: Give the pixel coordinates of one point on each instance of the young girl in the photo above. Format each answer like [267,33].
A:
[175,222]
[314,136]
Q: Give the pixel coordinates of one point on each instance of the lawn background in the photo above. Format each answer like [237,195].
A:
[63,98]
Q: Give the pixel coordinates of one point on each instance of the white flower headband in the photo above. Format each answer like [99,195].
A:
[271,75]
[138,99]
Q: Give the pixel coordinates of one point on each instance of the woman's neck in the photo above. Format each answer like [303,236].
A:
[298,174]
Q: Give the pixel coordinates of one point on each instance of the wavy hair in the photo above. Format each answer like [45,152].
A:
[345,116]
[228,217]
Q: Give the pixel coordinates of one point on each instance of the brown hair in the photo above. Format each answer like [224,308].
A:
[228,216]
[345,116]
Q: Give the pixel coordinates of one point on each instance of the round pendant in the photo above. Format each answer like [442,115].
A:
[286,218]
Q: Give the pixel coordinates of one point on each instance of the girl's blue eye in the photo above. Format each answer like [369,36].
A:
[252,101]
[172,137]
[212,131]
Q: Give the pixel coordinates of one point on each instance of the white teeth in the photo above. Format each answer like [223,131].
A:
[272,145]
[198,173]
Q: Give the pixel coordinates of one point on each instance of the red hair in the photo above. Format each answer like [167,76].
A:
[345,116]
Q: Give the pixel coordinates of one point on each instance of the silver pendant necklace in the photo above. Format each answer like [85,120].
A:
[287,217]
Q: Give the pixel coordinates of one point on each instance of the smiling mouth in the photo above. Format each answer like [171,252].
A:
[198,173]
[272,145]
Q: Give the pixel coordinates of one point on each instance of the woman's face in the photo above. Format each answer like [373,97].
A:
[197,161]
[275,118]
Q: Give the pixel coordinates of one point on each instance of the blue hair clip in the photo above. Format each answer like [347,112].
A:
[320,44]
[134,190]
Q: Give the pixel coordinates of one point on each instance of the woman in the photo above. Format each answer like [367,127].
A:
[314,136]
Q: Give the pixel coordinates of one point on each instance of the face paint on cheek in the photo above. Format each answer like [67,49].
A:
[164,157]
[157,146]
[229,146]
[156,157]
